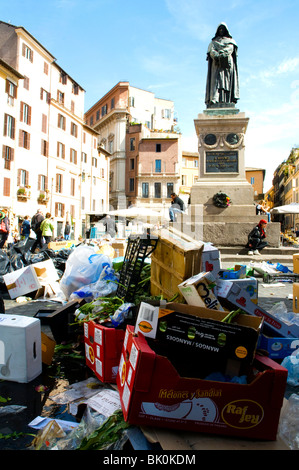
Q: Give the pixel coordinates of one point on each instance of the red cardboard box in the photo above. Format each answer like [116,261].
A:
[153,394]
[103,347]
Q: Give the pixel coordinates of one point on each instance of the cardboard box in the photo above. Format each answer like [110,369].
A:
[152,393]
[48,347]
[295,296]
[239,272]
[30,278]
[197,332]
[210,259]
[199,290]
[296,263]
[231,295]
[278,348]
[176,258]
[250,285]
[103,347]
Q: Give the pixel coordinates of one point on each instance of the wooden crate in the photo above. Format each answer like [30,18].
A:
[176,258]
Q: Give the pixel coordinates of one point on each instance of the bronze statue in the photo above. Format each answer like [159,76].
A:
[222,88]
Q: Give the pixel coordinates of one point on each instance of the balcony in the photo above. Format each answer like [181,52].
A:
[23,194]
[43,197]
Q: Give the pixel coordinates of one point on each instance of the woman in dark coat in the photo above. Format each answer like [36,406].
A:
[256,238]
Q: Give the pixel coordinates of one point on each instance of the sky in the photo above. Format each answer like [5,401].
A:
[161,46]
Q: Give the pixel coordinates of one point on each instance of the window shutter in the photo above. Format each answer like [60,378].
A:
[75,157]
[13,128]
[21,138]
[56,209]
[23,49]
[44,123]
[31,55]
[63,151]
[29,116]
[12,154]
[21,111]
[46,182]
[6,187]
[5,124]
[19,177]
[39,182]
[27,141]
[26,178]
[62,210]
[3,151]
[41,93]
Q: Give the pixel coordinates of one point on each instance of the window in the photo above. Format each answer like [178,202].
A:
[45,95]
[91,120]
[184,162]
[73,106]
[132,101]
[83,203]
[23,177]
[73,186]
[110,146]
[166,113]
[60,150]
[59,183]
[60,97]
[97,115]
[24,139]
[112,103]
[63,78]
[169,189]
[93,204]
[73,156]
[132,163]
[46,68]
[195,163]
[94,162]
[145,192]
[9,126]
[74,129]
[132,144]
[61,122]
[157,187]
[84,157]
[75,89]
[59,209]
[11,90]
[158,147]
[44,148]
[42,183]
[157,166]
[26,82]
[132,184]
[252,180]
[104,110]
[25,113]
[103,173]
[184,180]
[27,52]
[8,155]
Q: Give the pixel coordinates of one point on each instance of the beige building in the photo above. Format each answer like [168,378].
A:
[129,110]
[51,156]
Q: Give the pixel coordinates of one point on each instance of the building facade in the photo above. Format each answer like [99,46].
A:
[52,160]
[132,124]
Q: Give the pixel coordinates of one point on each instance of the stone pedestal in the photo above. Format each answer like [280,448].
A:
[221,148]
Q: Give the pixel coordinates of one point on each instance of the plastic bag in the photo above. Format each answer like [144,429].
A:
[288,428]
[106,285]
[83,267]
[120,314]
[291,363]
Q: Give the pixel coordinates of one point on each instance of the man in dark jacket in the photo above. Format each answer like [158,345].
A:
[256,238]
[6,229]
[67,230]
[35,225]
[177,206]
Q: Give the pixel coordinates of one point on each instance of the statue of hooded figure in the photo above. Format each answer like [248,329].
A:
[222,79]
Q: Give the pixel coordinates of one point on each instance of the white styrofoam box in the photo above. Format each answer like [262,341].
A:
[30,278]
[20,348]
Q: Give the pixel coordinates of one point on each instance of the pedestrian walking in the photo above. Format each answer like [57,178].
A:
[177,207]
[25,228]
[4,227]
[67,230]
[47,228]
[35,225]
[256,238]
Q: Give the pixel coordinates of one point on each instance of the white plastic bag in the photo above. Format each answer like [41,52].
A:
[83,267]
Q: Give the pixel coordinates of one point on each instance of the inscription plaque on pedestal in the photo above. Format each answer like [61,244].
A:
[222,162]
